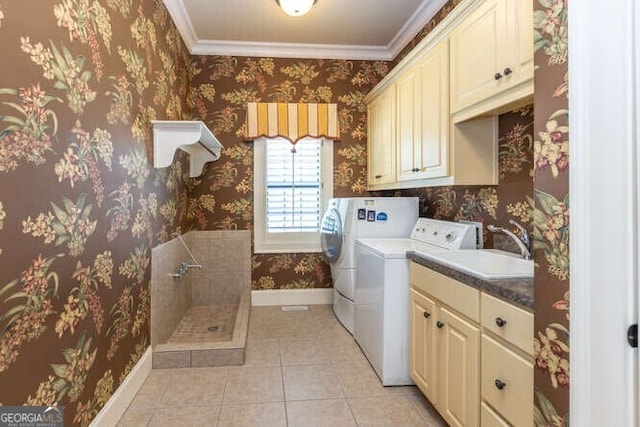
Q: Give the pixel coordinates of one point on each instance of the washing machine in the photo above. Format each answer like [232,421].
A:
[381,311]
[349,219]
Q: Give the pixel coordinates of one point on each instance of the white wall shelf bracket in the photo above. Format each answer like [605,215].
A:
[192,137]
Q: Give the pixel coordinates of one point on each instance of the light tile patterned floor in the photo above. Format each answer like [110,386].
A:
[302,369]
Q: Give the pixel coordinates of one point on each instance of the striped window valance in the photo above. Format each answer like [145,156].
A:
[291,121]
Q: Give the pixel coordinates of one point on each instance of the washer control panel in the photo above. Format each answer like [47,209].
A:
[445,234]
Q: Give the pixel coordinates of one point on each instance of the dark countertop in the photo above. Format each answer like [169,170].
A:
[516,291]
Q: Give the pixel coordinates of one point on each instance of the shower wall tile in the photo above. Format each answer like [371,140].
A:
[171,359]
[226,266]
[220,288]
[217,357]
[170,297]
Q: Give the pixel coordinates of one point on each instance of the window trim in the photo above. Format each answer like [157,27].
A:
[287,242]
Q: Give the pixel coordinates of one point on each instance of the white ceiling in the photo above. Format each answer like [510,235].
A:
[334,29]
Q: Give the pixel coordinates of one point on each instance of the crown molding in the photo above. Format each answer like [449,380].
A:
[181,19]
[197,46]
[289,50]
[414,25]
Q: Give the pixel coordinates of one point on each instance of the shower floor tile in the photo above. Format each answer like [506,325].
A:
[205,323]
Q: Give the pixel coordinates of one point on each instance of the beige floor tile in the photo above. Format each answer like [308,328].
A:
[320,413]
[253,415]
[303,352]
[196,387]
[198,416]
[262,353]
[424,407]
[360,380]
[157,382]
[135,418]
[344,351]
[311,382]
[388,411]
[146,401]
[249,384]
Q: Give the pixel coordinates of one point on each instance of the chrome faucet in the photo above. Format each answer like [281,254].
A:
[523,241]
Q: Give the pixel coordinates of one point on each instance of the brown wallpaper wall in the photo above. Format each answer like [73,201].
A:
[80,205]
[550,218]
[223,197]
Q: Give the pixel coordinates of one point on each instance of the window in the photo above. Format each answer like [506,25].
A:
[292,186]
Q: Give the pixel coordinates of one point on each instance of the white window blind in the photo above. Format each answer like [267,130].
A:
[293,185]
[291,191]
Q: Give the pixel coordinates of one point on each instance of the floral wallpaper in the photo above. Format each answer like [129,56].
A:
[223,196]
[550,218]
[80,204]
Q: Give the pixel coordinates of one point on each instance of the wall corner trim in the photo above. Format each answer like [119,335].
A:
[275,297]
[116,406]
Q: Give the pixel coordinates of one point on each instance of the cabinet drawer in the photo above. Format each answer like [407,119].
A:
[489,418]
[513,396]
[464,299]
[517,324]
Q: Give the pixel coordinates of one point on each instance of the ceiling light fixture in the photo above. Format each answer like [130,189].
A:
[296,7]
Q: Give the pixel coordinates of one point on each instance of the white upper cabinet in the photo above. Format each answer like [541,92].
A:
[433,118]
[381,146]
[492,58]
[423,117]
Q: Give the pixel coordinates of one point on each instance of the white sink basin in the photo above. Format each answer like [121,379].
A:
[488,264]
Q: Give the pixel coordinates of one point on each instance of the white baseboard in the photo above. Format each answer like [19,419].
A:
[115,407]
[292,297]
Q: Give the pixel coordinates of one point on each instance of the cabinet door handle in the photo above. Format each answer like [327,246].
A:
[497,76]
[426,314]
[439,324]
[500,322]
[507,71]
[378,176]
[500,384]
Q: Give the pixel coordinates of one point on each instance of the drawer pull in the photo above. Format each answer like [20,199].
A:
[439,324]
[507,71]
[500,322]
[378,176]
[426,314]
[497,76]
[500,384]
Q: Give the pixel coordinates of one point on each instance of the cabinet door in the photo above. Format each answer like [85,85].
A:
[408,119]
[489,418]
[507,382]
[459,355]
[431,149]
[381,138]
[475,54]
[492,51]
[423,357]
[525,33]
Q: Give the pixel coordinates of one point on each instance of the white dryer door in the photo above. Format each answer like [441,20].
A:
[331,235]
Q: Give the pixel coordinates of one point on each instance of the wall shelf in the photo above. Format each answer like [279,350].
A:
[192,137]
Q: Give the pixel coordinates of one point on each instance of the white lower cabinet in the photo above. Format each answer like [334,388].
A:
[489,417]
[445,343]
[506,365]
[470,352]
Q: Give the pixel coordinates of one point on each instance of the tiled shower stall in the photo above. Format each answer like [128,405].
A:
[200,318]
